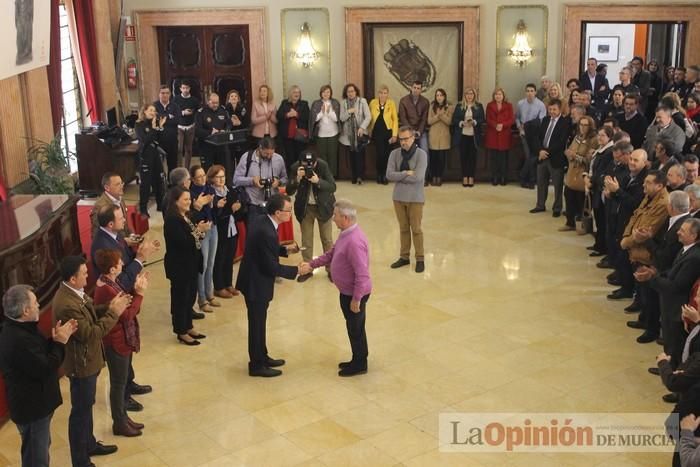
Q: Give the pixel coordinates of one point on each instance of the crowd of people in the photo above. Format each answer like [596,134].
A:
[623,161]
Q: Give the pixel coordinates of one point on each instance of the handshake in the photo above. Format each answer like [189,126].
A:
[304,269]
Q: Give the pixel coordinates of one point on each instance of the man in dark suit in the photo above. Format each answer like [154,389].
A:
[664,247]
[634,122]
[554,132]
[595,82]
[256,280]
[674,287]
[641,79]
[111,223]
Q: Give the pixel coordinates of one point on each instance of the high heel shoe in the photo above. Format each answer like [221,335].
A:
[183,341]
[196,335]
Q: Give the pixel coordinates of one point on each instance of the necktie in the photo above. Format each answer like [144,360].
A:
[548,134]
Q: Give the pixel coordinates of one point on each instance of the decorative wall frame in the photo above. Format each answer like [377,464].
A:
[510,76]
[604,48]
[399,53]
[309,79]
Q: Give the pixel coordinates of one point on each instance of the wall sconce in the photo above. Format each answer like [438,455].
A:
[521,50]
[305,54]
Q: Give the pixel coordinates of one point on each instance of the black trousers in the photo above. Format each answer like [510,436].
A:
[499,164]
[600,221]
[151,173]
[292,149]
[183,293]
[382,149]
[357,163]
[118,377]
[624,270]
[80,424]
[223,261]
[674,339]
[651,313]
[169,144]
[574,205]
[438,158]
[257,328]
[467,155]
[355,324]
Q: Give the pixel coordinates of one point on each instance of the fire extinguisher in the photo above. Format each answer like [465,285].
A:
[131,74]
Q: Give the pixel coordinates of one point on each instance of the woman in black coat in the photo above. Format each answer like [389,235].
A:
[148,131]
[240,120]
[183,262]
[293,124]
[467,121]
[226,210]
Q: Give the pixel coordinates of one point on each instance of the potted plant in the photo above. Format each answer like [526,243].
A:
[49,167]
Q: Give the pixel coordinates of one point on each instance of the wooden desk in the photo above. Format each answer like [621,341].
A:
[95,158]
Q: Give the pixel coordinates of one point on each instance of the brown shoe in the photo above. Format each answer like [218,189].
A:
[205,307]
[566,228]
[136,425]
[234,291]
[213,302]
[124,429]
[223,293]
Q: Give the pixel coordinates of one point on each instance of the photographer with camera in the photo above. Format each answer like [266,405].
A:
[260,172]
[314,187]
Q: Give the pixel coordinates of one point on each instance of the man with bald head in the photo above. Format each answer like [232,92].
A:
[211,119]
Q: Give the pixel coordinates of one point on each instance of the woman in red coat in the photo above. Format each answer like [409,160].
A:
[499,120]
[122,340]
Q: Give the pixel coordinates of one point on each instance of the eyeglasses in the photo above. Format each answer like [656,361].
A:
[405,138]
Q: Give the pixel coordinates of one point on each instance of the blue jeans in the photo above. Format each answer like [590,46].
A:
[205,280]
[80,437]
[36,439]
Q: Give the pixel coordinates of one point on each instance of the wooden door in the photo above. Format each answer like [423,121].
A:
[212,58]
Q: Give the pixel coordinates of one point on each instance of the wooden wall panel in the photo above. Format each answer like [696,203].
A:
[37,99]
[105,57]
[13,131]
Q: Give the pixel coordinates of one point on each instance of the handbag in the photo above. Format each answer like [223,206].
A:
[362,142]
[301,135]
[585,224]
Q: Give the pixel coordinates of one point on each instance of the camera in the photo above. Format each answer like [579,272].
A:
[266,187]
[307,163]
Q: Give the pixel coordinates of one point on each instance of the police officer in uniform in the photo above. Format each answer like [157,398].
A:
[168,139]
[211,119]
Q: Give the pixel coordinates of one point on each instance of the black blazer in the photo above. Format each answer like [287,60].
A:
[183,260]
[599,96]
[636,127]
[131,268]
[557,142]
[29,364]
[302,108]
[260,265]
[665,246]
[674,285]
[600,164]
[628,199]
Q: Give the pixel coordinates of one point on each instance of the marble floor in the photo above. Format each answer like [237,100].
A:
[510,315]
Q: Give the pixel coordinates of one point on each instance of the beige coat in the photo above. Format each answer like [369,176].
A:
[652,214]
[439,133]
[579,162]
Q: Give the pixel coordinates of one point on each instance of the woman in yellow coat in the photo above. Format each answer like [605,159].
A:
[384,129]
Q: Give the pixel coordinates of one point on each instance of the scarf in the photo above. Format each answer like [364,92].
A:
[406,156]
[231,229]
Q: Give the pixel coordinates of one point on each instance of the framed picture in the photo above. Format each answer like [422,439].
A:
[401,53]
[604,48]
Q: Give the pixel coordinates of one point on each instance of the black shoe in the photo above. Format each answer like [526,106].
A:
[615,281]
[186,342]
[350,371]
[612,275]
[556,214]
[595,254]
[494,182]
[197,336]
[536,210]
[271,362]
[671,398]
[591,248]
[304,277]
[646,338]
[503,182]
[654,370]
[604,264]
[343,365]
[359,181]
[620,294]
[636,325]
[635,307]
[197,315]
[139,389]
[420,266]
[264,372]
[102,449]
[132,405]
[660,340]
[399,263]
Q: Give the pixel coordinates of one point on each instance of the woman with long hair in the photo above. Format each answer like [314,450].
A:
[201,190]
[325,115]
[355,117]
[439,120]
[600,160]
[498,140]
[124,338]
[183,262]
[240,120]
[384,128]
[149,129]
[655,88]
[263,115]
[467,120]
[579,155]
[556,92]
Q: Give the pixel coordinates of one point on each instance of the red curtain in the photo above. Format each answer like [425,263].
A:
[54,70]
[87,44]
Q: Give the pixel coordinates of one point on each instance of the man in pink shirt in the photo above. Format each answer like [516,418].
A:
[349,263]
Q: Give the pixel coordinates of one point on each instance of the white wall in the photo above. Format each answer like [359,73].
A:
[625,51]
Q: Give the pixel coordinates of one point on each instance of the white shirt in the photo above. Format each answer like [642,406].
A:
[79,292]
[273,221]
[686,248]
[327,122]
[116,201]
[592,80]
[673,220]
